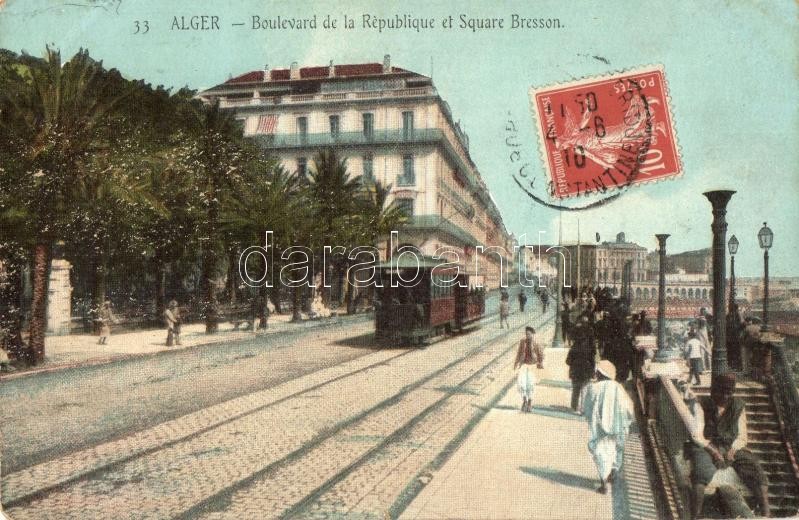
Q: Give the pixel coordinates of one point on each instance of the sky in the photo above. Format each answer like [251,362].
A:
[731,68]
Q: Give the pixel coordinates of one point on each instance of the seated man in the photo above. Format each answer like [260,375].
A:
[719,441]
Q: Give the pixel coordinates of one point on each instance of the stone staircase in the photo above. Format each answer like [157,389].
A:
[765,440]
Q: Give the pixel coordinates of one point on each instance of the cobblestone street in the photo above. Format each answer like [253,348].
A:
[343,428]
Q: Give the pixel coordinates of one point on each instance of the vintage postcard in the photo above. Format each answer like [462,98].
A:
[419,260]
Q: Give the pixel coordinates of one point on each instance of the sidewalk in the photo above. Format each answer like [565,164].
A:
[75,350]
[532,466]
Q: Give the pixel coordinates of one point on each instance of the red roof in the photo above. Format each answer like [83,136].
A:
[358,69]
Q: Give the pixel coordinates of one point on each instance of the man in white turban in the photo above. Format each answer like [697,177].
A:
[609,412]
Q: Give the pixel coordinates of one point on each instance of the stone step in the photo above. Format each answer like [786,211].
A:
[759,407]
[766,433]
[781,477]
[776,467]
[782,488]
[769,455]
[762,416]
[765,444]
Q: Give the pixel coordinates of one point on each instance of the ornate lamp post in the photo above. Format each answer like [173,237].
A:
[765,237]
[732,247]
[556,339]
[719,200]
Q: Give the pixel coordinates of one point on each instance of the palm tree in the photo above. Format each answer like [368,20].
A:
[271,200]
[377,218]
[219,155]
[336,195]
[55,111]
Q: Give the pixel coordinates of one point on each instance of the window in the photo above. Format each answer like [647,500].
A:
[406,205]
[407,178]
[302,166]
[334,126]
[368,125]
[302,127]
[407,124]
[368,167]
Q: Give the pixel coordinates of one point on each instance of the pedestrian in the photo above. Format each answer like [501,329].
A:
[504,312]
[565,323]
[702,335]
[582,362]
[544,301]
[522,300]
[609,412]
[717,444]
[529,354]
[696,352]
[105,317]
[172,321]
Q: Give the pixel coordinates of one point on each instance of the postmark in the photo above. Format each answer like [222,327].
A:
[606,133]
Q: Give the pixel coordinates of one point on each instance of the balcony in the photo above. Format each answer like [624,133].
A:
[376,137]
[327,97]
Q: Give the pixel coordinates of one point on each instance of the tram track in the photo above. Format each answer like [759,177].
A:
[220,502]
[92,472]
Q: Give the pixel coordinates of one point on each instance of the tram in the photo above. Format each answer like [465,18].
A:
[420,308]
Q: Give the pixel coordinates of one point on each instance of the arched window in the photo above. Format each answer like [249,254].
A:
[646,293]
[690,293]
[683,292]
[704,294]
[638,293]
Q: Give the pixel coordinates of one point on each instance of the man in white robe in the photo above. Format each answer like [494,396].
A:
[609,412]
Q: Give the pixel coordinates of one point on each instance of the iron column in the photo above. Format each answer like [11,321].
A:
[719,200]
[662,292]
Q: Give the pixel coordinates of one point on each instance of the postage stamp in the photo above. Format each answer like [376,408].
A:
[605,133]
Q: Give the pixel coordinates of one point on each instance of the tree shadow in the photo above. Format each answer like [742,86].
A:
[561,477]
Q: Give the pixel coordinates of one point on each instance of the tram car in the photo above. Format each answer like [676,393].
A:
[420,308]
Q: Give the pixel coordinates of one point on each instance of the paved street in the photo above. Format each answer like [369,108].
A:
[317,423]
[59,412]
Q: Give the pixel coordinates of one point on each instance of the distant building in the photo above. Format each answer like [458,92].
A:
[691,262]
[391,125]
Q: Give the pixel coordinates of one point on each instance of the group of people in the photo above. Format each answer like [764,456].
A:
[105,317]
[504,304]
[597,393]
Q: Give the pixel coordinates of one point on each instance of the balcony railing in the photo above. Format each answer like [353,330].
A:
[328,96]
[427,135]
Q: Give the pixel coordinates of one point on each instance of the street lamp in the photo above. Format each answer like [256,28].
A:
[732,246]
[556,339]
[765,237]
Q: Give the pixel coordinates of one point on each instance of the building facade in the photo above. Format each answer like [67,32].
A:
[391,126]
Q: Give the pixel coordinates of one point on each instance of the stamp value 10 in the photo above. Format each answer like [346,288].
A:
[606,133]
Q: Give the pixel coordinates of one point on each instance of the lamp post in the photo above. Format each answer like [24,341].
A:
[732,247]
[556,339]
[662,291]
[719,199]
[765,237]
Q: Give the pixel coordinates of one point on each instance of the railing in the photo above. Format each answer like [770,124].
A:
[459,202]
[779,379]
[671,431]
[425,135]
[322,97]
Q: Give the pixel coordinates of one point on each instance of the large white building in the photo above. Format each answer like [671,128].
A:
[391,125]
